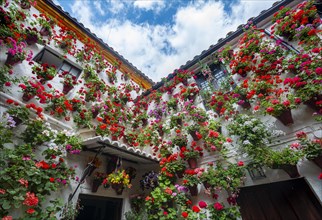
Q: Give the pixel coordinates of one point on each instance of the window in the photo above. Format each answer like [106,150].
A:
[213,80]
[49,57]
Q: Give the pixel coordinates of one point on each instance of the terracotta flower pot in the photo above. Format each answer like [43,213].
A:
[12,60]
[312,103]
[291,170]
[26,97]
[206,185]
[118,187]
[95,185]
[31,39]
[44,31]
[67,88]
[25,5]
[180,173]
[318,161]
[185,82]
[95,113]
[286,117]
[192,163]
[193,135]
[17,120]
[193,190]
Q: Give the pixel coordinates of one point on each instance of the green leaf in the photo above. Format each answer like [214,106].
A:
[6,205]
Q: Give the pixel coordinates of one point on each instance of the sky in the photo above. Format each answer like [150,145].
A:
[158,36]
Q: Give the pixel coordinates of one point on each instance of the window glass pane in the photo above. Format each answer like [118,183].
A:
[75,71]
[50,59]
[66,67]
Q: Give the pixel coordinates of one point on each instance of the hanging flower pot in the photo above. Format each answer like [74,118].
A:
[206,185]
[185,82]
[17,120]
[193,190]
[31,38]
[63,45]
[26,97]
[118,187]
[25,4]
[194,135]
[312,102]
[95,113]
[318,161]
[67,88]
[96,183]
[192,163]
[286,117]
[291,170]
[180,173]
[114,138]
[144,122]
[12,60]
[44,31]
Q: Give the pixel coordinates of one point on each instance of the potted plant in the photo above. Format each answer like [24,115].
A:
[16,53]
[285,159]
[172,104]
[31,88]
[219,211]
[119,180]
[194,131]
[31,35]
[37,132]
[83,118]
[149,180]
[190,92]
[172,165]
[222,103]
[312,148]
[182,76]
[59,106]
[190,155]
[280,107]
[44,72]
[191,180]
[98,180]
[69,81]
[19,114]
[198,115]
[179,140]
[176,120]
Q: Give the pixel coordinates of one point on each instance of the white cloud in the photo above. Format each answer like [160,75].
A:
[149,5]
[115,6]
[98,7]
[195,28]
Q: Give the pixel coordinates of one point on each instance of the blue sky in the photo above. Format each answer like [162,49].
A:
[158,36]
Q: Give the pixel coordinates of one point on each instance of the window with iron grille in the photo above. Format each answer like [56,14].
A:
[51,58]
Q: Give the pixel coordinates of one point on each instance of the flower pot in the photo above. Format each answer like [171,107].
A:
[114,138]
[67,88]
[63,45]
[25,5]
[244,103]
[312,103]
[192,163]
[318,6]
[185,82]
[161,132]
[118,187]
[193,190]
[95,185]
[31,39]
[206,185]
[291,170]
[12,60]
[17,120]
[180,173]
[95,113]
[144,122]
[194,136]
[318,161]
[286,117]
[26,97]
[44,31]
[191,97]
